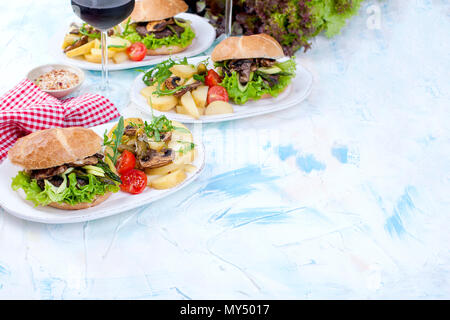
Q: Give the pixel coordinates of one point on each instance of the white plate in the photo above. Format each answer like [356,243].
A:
[296,92]
[205,35]
[14,201]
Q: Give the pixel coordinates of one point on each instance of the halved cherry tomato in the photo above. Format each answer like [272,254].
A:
[133,181]
[212,78]
[126,162]
[217,93]
[137,51]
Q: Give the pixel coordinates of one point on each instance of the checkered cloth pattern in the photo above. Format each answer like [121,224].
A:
[26,108]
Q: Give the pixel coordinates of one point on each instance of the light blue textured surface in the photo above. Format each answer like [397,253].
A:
[344,196]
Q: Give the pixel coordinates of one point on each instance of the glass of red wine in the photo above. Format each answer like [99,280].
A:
[103,15]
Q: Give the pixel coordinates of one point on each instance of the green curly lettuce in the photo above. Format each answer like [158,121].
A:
[331,16]
[68,192]
[184,40]
[257,87]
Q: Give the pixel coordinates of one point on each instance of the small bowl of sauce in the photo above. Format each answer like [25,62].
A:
[57,80]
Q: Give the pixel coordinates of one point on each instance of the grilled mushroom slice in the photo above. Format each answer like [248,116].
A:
[173,82]
[189,87]
[167,136]
[154,26]
[155,159]
[130,130]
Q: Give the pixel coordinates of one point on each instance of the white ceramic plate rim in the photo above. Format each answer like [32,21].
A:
[296,92]
[205,36]
[10,198]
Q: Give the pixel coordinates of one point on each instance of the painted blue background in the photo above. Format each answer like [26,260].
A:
[345,196]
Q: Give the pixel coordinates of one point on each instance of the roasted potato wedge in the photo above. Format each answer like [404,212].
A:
[200,95]
[82,50]
[165,170]
[120,57]
[180,138]
[118,44]
[189,104]
[169,180]
[218,107]
[162,103]
[92,58]
[98,53]
[201,111]
[147,91]
[97,44]
[184,71]
[69,39]
[180,109]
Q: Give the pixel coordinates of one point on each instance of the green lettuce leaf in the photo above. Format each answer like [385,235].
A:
[331,16]
[67,193]
[256,88]
[152,43]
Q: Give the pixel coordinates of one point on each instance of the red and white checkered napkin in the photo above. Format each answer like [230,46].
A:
[26,108]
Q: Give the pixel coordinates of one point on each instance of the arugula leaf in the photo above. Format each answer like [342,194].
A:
[157,127]
[85,32]
[127,25]
[160,72]
[160,92]
[199,77]
[115,140]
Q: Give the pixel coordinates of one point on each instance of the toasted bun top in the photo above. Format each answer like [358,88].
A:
[54,147]
[150,10]
[245,47]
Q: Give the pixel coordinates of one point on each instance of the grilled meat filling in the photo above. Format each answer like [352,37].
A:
[160,29]
[245,66]
[53,174]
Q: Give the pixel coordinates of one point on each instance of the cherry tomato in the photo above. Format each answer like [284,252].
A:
[126,162]
[133,181]
[212,78]
[137,51]
[217,93]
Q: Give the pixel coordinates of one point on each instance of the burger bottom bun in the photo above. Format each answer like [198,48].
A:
[165,50]
[82,205]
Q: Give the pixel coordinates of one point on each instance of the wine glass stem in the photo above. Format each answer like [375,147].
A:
[104,46]
[228,17]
